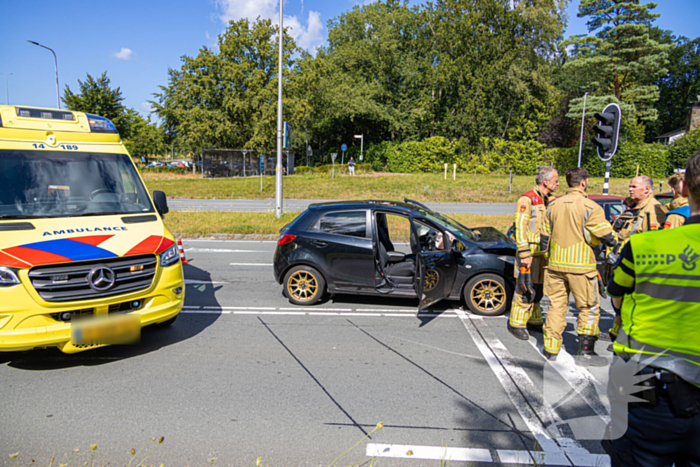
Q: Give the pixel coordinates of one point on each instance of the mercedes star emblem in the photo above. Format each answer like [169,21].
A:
[101,278]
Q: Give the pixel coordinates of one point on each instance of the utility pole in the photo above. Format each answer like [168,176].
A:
[55,62]
[583,124]
[278,176]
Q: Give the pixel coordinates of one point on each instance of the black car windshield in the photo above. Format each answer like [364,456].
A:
[64,184]
[446,223]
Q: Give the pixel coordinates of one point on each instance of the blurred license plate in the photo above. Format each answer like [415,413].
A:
[115,329]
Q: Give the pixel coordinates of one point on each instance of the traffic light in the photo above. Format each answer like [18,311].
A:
[608,131]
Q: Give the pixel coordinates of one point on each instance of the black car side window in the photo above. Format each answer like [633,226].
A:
[353,223]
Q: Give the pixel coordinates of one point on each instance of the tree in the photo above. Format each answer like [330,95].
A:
[621,62]
[147,138]
[98,98]
[678,88]
[228,99]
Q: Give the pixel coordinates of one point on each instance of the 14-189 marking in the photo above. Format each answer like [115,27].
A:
[67,147]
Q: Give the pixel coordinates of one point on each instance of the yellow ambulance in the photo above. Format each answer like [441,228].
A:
[85,259]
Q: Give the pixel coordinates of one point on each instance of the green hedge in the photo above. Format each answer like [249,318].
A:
[524,157]
[327,169]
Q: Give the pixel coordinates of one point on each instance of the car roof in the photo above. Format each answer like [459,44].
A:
[395,206]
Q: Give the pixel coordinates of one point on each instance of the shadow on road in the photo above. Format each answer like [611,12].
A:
[153,338]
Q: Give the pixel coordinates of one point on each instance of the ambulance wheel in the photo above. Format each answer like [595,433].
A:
[304,285]
[486,295]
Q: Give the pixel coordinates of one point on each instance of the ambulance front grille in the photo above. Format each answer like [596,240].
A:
[69,282]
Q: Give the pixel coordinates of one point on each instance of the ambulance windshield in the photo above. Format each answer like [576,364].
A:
[66,184]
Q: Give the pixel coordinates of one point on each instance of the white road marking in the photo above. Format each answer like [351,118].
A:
[582,381]
[239,307]
[193,281]
[220,250]
[517,384]
[403,451]
[193,240]
[251,264]
[319,309]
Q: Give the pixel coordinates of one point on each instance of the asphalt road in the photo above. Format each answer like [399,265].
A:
[295,205]
[244,374]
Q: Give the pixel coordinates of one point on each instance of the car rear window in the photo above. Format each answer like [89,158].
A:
[352,223]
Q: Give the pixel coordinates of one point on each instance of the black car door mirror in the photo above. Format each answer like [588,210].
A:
[161,202]
[458,246]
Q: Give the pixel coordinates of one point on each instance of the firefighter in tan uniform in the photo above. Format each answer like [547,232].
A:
[677,211]
[572,226]
[529,266]
[642,215]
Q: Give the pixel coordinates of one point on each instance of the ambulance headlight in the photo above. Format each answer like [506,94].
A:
[169,256]
[8,277]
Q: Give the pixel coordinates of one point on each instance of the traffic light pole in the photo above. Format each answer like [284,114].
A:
[606,184]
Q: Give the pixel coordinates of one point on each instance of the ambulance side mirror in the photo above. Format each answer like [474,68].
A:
[161,202]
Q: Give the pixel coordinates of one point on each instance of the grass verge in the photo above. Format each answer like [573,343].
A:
[420,187]
[266,225]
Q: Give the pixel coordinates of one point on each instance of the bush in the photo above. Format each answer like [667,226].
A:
[683,148]
[327,169]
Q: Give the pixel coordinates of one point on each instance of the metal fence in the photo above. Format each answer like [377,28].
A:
[241,163]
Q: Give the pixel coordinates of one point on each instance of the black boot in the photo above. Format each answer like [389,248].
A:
[586,353]
[550,356]
[534,328]
[520,333]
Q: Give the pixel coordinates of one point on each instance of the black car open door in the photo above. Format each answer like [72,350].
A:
[436,272]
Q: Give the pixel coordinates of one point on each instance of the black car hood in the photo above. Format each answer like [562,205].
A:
[490,235]
[493,240]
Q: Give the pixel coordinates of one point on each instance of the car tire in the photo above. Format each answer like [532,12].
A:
[486,295]
[304,285]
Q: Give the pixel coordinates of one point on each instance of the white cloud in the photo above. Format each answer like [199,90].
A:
[124,54]
[309,37]
[146,108]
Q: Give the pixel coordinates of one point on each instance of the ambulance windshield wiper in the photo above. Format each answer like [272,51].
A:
[19,216]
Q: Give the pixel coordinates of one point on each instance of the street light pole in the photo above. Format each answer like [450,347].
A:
[55,62]
[583,121]
[278,177]
[7,86]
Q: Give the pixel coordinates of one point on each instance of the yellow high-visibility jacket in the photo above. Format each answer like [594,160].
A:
[572,226]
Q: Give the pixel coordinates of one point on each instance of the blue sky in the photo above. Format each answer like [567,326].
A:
[136,41]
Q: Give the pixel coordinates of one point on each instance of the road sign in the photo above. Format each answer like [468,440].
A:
[360,157]
[358,136]
[344,147]
[309,152]
[333,156]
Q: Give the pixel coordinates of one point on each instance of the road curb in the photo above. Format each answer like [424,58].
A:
[226,236]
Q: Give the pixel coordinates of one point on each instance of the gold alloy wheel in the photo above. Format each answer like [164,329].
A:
[488,295]
[302,286]
[431,280]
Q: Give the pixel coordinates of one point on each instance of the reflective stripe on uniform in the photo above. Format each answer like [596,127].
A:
[676,293]
[686,366]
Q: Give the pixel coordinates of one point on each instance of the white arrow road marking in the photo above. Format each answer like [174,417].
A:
[251,264]
[537,414]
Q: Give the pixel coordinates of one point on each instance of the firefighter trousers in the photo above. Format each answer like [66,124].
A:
[522,313]
[558,286]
